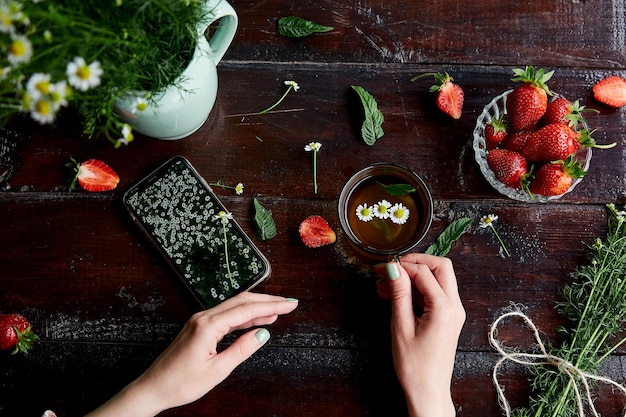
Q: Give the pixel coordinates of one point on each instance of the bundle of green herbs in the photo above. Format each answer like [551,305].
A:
[88,53]
[595,305]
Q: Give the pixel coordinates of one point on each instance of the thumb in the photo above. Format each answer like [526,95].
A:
[400,290]
[242,348]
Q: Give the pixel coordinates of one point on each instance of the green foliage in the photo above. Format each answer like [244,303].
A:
[453,232]
[296,27]
[398,189]
[595,305]
[140,45]
[263,221]
[371,130]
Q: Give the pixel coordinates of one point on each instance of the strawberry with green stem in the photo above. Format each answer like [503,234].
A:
[496,130]
[561,110]
[450,96]
[555,178]
[509,167]
[527,103]
[16,333]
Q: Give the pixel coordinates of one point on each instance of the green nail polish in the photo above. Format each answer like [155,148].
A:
[292,300]
[262,336]
[392,271]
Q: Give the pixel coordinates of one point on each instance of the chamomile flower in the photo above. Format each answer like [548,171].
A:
[42,110]
[291,85]
[239,189]
[399,213]
[4,72]
[224,216]
[364,213]
[314,147]
[382,209]
[487,221]
[83,76]
[127,136]
[6,20]
[139,105]
[38,85]
[20,50]
[59,93]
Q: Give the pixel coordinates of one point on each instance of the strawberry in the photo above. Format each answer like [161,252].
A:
[611,91]
[496,131]
[315,232]
[555,178]
[551,143]
[516,141]
[16,333]
[94,175]
[561,110]
[450,96]
[527,103]
[509,167]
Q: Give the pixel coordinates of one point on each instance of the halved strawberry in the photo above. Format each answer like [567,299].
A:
[611,91]
[450,96]
[16,333]
[315,232]
[93,175]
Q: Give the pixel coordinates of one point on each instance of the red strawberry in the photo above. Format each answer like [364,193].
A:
[561,110]
[495,131]
[94,175]
[611,91]
[16,333]
[516,141]
[509,167]
[315,232]
[527,103]
[450,96]
[551,143]
[554,178]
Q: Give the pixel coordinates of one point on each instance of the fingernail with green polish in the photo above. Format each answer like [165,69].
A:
[262,336]
[292,300]
[392,271]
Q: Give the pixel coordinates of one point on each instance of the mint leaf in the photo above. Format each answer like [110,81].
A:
[263,221]
[398,190]
[453,232]
[296,27]
[371,130]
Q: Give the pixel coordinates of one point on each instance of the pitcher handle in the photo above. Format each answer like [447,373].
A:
[227,26]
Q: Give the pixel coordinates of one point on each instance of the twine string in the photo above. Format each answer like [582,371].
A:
[544,358]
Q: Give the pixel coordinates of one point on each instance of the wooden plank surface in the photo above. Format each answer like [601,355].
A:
[105,303]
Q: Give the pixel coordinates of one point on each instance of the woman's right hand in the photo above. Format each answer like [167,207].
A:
[424,345]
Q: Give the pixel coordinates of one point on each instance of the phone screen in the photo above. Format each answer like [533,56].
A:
[179,212]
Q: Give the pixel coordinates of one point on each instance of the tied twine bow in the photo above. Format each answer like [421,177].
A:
[544,358]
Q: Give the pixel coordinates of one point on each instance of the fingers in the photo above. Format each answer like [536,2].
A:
[441,269]
[244,347]
[400,294]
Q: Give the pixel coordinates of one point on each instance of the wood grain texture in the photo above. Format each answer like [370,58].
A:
[105,303]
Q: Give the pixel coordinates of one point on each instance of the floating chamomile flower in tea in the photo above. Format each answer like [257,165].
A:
[365,213]
[399,213]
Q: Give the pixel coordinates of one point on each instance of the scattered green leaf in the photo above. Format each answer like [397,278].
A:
[398,190]
[453,232]
[265,225]
[296,27]
[371,130]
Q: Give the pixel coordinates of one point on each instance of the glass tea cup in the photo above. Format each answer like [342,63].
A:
[378,214]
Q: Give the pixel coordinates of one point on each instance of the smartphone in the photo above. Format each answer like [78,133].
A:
[206,247]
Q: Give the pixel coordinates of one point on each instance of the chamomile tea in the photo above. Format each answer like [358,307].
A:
[385,209]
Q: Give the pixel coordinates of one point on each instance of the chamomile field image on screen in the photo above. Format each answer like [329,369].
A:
[196,233]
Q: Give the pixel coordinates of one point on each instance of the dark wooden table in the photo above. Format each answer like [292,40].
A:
[105,303]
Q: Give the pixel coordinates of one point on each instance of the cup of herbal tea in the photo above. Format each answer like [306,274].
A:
[385,209]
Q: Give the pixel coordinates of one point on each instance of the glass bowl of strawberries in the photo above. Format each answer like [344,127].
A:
[531,164]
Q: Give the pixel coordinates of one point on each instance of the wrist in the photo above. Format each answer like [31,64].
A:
[134,400]
[424,404]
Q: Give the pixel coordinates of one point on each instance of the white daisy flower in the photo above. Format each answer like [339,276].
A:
[486,221]
[4,72]
[140,105]
[20,50]
[59,92]
[38,85]
[127,135]
[364,213]
[313,146]
[399,213]
[382,209]
[43,111]
[224,216]
[83,76]
[239,188]
[292,84]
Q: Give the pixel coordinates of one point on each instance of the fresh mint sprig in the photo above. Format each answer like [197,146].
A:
[371,130]
[296,27]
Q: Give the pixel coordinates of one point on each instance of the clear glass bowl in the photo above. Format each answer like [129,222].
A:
[493,110]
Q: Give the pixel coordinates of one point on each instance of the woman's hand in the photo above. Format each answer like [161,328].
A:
[191,366]
[424,345]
